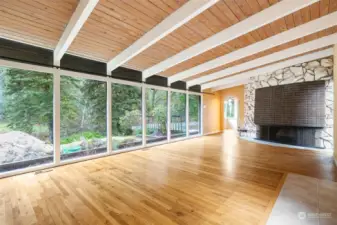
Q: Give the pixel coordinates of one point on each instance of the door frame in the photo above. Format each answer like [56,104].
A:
[236,112]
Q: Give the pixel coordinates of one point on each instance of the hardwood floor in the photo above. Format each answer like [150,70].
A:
[212,180]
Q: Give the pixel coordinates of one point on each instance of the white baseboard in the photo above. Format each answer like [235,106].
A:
[214,132]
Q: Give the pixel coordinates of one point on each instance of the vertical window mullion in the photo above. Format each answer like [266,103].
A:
[187,114]
[201,116]
[109,117]
[57,115]
[143,115]
[168,115]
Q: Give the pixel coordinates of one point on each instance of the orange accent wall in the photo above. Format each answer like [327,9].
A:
[236,92]
[213,108]
[211,113]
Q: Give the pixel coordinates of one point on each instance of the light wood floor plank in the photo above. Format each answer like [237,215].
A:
[212,180]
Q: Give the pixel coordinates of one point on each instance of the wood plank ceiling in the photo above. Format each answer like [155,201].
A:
[116,24]
[222,15]
[35,22]
[302,16]
[305,15]
[270,51]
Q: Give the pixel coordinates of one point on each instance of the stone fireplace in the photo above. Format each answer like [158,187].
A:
[319,135]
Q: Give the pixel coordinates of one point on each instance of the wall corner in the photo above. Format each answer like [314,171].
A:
[335,103]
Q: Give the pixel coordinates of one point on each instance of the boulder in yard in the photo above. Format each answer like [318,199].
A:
[19,146]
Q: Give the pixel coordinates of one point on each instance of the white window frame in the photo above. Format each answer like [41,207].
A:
[57,73]
[186,114]
[135,84]
[168,120]
[200,115]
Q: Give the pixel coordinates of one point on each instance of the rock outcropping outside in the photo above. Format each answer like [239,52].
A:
[17,146]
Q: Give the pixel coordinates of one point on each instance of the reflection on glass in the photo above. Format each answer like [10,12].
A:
[194,114]
[156,115]
[26,119]
[126,116]
[178,115]
[83,117]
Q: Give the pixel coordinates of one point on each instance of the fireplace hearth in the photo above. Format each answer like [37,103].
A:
[291,114]
[292,135]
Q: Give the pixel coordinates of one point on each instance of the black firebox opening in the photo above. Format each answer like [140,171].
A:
[292,135]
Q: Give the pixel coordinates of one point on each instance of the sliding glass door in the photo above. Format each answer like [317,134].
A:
[156,115]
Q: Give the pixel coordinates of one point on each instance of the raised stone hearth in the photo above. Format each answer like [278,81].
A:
[311,71]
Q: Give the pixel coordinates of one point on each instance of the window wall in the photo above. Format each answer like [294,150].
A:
[156,115]
[194,114]
[26,119]
[178,115]
[83,117]
[126,116]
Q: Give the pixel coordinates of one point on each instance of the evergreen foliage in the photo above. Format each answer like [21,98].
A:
[26,100]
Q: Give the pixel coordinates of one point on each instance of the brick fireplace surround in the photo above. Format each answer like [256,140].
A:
[306,72]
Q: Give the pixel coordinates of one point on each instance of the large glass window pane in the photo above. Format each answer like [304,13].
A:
[178,115]
[156,115]
[83,117]
[126,116]
[194,114]
[26,118]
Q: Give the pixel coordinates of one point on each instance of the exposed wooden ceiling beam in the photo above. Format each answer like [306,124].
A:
[178,18]
[81,14]
[256,21]
[274,57]
[268,69]
[282,38]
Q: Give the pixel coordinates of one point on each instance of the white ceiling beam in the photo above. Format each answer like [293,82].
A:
[178,18]
[271,58]
[279,39]
[268,69]
[230,85]
[254,22]
[81,14]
